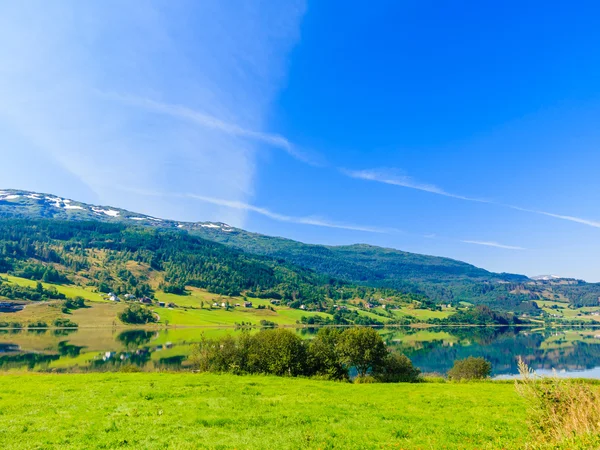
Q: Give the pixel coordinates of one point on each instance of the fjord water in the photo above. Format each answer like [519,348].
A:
[567,352]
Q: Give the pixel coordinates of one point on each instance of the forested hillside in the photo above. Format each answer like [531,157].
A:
[253,262]
[137,260]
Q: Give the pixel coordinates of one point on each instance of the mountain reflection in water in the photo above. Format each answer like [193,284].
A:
[570,352]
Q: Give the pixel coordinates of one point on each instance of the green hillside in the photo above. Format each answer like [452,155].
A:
[439,279]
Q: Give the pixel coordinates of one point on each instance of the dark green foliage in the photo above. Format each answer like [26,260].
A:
[33,271]
[278,352]
[37,325]
[177,289]
[75,303]
[470,369]
[363,349]
[341,317]
[480,315]
[64,323]
[323,356]
[136,314]
[282,352]
[135,338]
[396,368]
[17,292]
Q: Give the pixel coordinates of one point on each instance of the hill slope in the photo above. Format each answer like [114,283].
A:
[441,279]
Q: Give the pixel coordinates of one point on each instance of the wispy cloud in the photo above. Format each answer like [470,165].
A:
[316,221]
[389,176]
[591,223]
[212,69]
[494,244]
[215,123]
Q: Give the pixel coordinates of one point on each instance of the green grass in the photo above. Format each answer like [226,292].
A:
[67,289]
[424,314]
[103,313]
[184,411]
[220,317]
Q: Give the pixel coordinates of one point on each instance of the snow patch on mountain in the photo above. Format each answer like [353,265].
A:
[108,212]
[546,277]
[7,196]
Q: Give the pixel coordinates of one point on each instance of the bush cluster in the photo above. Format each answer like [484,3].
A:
[470,368]
[136,314]
[64,323]
[332,354]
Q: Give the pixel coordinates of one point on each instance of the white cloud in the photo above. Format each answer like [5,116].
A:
[494,244]
[212,122]
[591,223]
[388,176]
[234,204]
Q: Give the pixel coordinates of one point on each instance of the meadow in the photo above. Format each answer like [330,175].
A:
[186,410]
[194,309]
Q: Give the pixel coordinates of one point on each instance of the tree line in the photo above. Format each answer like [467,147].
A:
[333,354]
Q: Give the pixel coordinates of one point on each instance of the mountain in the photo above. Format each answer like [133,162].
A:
[441,279]
[546,277]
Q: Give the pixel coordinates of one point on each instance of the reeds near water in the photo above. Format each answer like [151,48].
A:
[562,413]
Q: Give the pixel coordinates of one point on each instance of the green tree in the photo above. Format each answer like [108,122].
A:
[323,356]
[135,314]
[470,369]
[362,348]
[397,368]
[278,352]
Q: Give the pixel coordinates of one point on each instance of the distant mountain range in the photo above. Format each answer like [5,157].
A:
[441,279]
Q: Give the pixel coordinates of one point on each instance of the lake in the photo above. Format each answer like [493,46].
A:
[569,352]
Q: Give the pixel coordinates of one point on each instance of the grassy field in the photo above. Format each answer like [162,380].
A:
[67,289]
[154,410]
[424,314]
[103,313]
[562,310]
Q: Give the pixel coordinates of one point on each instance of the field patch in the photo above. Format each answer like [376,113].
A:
[158,410]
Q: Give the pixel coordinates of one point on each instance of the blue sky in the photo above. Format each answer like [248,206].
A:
[458,129]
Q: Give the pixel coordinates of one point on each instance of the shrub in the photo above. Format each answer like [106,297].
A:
[470,369]
[397,368]
[278,352]
[560,411]
[365,379]
[135,314]
[37,325]
[282,352]
[75,303]
[64,323]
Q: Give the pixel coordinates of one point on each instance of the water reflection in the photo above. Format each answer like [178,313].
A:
[573,352]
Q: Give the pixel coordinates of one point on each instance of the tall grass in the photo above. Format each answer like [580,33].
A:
[562,413]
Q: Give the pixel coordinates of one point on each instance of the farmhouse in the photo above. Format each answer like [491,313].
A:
[247,304]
